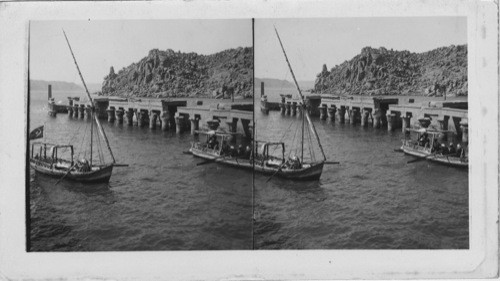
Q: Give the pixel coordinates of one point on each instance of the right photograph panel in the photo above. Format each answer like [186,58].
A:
[361,133]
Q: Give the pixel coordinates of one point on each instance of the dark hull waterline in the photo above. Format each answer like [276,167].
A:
[311,172]
[436,157]
[97,175]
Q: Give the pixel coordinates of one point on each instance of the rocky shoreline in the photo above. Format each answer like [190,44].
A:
[442,71]
[174,74]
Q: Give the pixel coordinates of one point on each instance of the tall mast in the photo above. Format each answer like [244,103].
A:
[91,101]
[311,125]
[302,143]
[91,135]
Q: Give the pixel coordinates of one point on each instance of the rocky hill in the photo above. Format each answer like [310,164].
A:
[387,72]
[175,74]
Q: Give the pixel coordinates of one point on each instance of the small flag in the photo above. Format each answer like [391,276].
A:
[36,133]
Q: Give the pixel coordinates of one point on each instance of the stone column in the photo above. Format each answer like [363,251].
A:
[142,118]
[246,127]
[88,112]
[353,118]
[294,109]
[331,113]
[52,107]
[283,108]
[152,120]
[129,116]
[322,112]
[376,118]
[341,114]
[406,123]
[464,126]
[179,124]
[195,124]
[81,111]
[75,110]
[119,116]
[111,114]
[135,116]
[165,119]
[364,118]
[70,111]
[391,122]
[443,125]
[288,108]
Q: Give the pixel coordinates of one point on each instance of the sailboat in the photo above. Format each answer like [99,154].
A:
[265,157]
[59,160]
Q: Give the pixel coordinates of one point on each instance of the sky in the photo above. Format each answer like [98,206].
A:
[98,45]
[310,43]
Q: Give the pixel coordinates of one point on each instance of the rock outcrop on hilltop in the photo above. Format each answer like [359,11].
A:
[387,72]
[175,74]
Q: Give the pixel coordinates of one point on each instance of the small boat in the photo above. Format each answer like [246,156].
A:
[260,159]
[58,160]
[424,144]
[49,160]
[266,157]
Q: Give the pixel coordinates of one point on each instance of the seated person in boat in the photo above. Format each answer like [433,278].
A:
[423,140]
[83,165]
[211,141]
[444,150]
[293,162]
[241,150]
[460,151]
[232,151]
[451,149]
[248,151]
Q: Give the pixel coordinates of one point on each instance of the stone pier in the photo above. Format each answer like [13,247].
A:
[331,113]
[364,118]
[111,114]
[81,111]
[152,120]
[142,117]
[376,115]
[464,126]
[179,120]
[195,125]
[165,120]
[88,112]
[75,111]
[283,108]
[353,116]
[246,127]
[391,122]
[443,125]
[341,114]
[294,108]
[288,107]
[322,112]
[119,115]
[129,116]
[406,123]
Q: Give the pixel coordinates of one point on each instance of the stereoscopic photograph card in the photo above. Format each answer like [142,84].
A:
[210,140]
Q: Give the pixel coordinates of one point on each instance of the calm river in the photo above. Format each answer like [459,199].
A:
[163,201]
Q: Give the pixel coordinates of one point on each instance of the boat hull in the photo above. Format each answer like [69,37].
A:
[422,152]
[97,175]
[312,172]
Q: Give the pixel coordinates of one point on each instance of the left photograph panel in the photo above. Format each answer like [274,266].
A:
[127,121]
